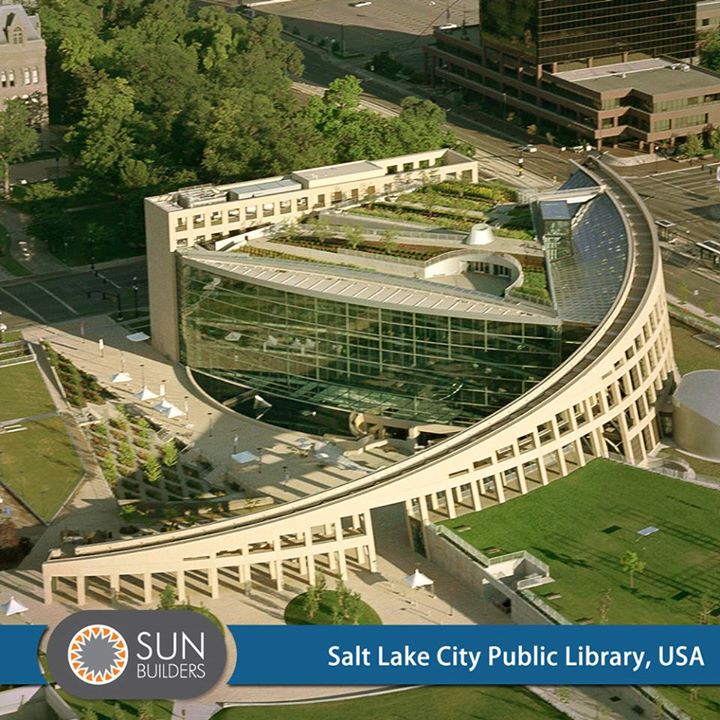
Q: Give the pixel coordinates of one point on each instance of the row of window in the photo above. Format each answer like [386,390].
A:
[30,76]
[301,204]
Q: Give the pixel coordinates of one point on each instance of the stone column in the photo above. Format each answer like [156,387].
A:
[180,583]
[147,587]
[213,582]
[80,582]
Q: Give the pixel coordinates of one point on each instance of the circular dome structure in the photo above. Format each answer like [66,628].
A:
[696,414]
[480,234]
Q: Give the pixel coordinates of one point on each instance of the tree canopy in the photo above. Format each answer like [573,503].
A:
[157,94]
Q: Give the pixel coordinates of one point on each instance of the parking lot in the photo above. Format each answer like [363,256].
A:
[399,27]
[73,295]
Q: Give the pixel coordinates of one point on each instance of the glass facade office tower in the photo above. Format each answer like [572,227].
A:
[358,357]
[566,30]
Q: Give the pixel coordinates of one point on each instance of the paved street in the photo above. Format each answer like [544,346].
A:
[689,197]
[73,294]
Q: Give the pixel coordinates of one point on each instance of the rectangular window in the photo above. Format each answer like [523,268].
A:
[392,169]
[268,209]
[198,221]
[216,218]
[181,224]
[285,207]
[320,202]
[251,212]
[35,76]
[26,76]
[408,166]
[233,216]
[302,204]
[337,197]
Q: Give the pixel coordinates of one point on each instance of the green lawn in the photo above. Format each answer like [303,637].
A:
[705,707]
[161,709]
[691,354]
[438,703]
[40,464]
[295,612]
[581,525]
[23,392]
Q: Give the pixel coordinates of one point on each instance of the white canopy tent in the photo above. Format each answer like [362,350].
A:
[245,457]
[168,409]
[13,607]
[418,580]
[121,377]
[138,337]
[146,394]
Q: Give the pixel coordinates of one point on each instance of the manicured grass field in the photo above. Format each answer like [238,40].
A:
[105,709]
[705,707]
[23,392]
[40,465]
[583,524]
[438,703]
[295,612]
[691,354]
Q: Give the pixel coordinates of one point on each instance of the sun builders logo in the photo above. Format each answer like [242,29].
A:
[136,655]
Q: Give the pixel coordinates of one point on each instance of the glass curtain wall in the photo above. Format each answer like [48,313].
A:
[392,363]
[566,30]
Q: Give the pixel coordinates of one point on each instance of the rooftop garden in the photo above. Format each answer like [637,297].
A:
[679,581]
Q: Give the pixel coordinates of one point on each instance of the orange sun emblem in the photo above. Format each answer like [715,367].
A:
[97,654]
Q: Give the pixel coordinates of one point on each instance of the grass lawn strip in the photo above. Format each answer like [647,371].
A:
[563,525]
[438,703]
[40,465]
[691,354]
[23,392]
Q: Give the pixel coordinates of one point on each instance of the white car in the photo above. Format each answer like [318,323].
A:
[362,3]
[528,148]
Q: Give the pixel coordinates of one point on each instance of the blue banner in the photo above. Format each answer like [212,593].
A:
[19,664]
[477,655]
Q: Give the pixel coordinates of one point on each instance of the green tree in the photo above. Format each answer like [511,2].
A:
[353,608]
[170,454]
[311,602]
[604,606]
[146,711]
[631,563]
[387,241]
[103,139]
[692,147]
[354,236]
[709,49]
[168,598]
[89,714]
[126,455]
[17,138]
[153,471]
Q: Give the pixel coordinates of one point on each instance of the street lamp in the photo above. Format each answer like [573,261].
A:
[210,424]
[260,459]
[235,444]
[135,290]
[286,474]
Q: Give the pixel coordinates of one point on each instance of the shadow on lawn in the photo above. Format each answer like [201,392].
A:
[562,558]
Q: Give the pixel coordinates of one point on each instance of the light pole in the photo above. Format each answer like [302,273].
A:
[260,458]
[135,290]
[210,424]
[286,474]
[235,444]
